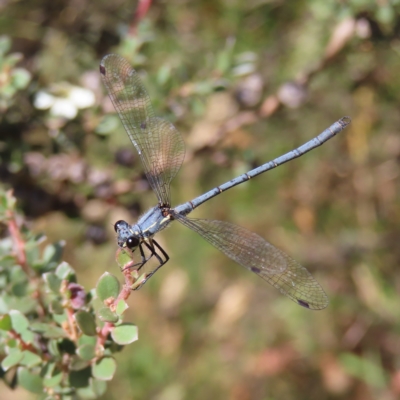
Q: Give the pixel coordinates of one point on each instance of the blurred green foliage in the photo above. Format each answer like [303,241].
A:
[13,79]
[243,82]
[50,343]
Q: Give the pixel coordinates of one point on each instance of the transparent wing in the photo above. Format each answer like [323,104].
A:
[257,255]
[159,144]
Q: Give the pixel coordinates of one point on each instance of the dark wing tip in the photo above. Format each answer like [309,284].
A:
[313,306]
[104,60]
[303,303]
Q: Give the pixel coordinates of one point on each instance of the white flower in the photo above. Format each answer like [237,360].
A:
[64,100]
[43,100]
[82,98]
[63,108]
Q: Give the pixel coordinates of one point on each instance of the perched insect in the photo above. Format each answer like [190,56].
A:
[161,150]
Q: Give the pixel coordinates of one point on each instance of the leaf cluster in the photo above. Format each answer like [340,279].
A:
[52,340]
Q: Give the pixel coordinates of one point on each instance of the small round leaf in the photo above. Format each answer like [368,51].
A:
[87,351]
[19,322]
[86,322]
[53,252]
[54,379]
[53,282]
[121,307]
[12,359]
[123,258]
[30,359]
[125,334]
[104,369]
[5,322]
[95,389]
[65,271]
[56,307]
[53,348]
[28,336]
[77,364]
[47,330]
[30,381]
[52,375]
[21,78]
[106,315]
[107,286]
[87,340]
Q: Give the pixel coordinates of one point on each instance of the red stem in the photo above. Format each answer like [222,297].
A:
[141,11]
[26,346]
[18,241]
[72,324]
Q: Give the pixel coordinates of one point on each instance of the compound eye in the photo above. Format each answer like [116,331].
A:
[132,242]
[118,224]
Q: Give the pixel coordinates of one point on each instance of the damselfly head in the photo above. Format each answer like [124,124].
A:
[119,225]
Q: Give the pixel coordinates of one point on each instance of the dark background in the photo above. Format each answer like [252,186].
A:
[243,81]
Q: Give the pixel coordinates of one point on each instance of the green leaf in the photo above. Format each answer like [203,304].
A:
[121,307]
[8,90]
[86,322]
[53,348]
[29,381]
[12,343]
[48,331]
[12,359]
[24,305]
[163,74]
[17,274]
[78,364]
[54,380]
[19,289]
[19,322]
[59,319]
[106,315]
[7,261]
[123,258]
[20,78]
[87,352]
[53,252]
[56,307]
[104,369]
[87,340]
[5,322]
[125,334]
[107,286]
[30,359]
[368,370]
[3,278]
[65,271]
[90,295]
[53,282]
[31,251]
[52,376]
[95,389]
[28,336]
